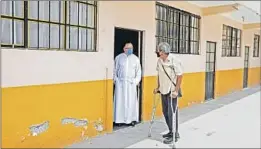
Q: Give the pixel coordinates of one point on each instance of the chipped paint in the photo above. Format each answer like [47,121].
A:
[68,120]
[75,122]
[81,123]
[39,128]
[98,125]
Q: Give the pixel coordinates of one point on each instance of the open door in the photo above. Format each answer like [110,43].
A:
[121,37]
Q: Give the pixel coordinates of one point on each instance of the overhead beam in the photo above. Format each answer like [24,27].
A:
[251,25]
[214,10]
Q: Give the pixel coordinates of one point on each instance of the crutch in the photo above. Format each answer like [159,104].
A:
[173,116]
[153,113]
[173,119]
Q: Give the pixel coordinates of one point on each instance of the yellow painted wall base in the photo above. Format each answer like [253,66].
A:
[254,76]
[192,93]
[25,106]
[228,81]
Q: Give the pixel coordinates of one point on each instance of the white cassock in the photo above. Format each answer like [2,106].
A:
[126,76]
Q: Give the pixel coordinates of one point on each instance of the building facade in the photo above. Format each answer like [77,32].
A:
[57,62]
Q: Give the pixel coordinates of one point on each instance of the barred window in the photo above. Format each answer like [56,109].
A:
[256,45]
[12,15]
[179,28]
[231,42]
[69,25]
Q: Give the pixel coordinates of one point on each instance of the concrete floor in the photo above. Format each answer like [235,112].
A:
[225,122]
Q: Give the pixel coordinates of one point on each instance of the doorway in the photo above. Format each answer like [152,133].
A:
[122,36]
[246,65]
[210,70]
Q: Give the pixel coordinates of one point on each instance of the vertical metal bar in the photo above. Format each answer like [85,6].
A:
[87,6]
[38,14]
[198,40]
[189,33]
[95,25]
[59,24]
[26,24]
[13,33]
[49,25]
[214,73]
[236,43]
[167,23]
[258,44]
[178,32]
[78,37]
[231,40]
[69,25]
[65,23]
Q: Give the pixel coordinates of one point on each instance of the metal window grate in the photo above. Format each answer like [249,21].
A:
[43,27]
[256,45]
[177,27]
[231,42]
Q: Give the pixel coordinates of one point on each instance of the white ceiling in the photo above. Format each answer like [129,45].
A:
[244,14]
[211,3]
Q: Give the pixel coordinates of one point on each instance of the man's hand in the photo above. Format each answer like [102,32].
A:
[174,94]
[156,90]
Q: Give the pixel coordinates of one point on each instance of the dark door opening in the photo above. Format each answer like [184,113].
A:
[210,70]
[121,37]
[246,65]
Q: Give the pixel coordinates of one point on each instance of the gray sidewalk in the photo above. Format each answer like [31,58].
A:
[127,136]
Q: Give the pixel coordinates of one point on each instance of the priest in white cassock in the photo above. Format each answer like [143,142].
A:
[126,76]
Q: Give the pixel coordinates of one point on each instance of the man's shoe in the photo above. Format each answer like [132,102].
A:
[133,124]
[168,135]
[168,140]
[177,137]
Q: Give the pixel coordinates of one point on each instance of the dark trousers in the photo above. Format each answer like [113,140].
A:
[167,112]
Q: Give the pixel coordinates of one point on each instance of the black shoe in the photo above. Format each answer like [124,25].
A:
[168,135]
[118,124]
[177,137]
[168,140]
[133,124]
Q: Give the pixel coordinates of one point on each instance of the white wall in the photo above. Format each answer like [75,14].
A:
[33,67]
[249,41]
[213,27]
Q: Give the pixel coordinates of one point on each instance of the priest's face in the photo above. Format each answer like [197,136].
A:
[127,47]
